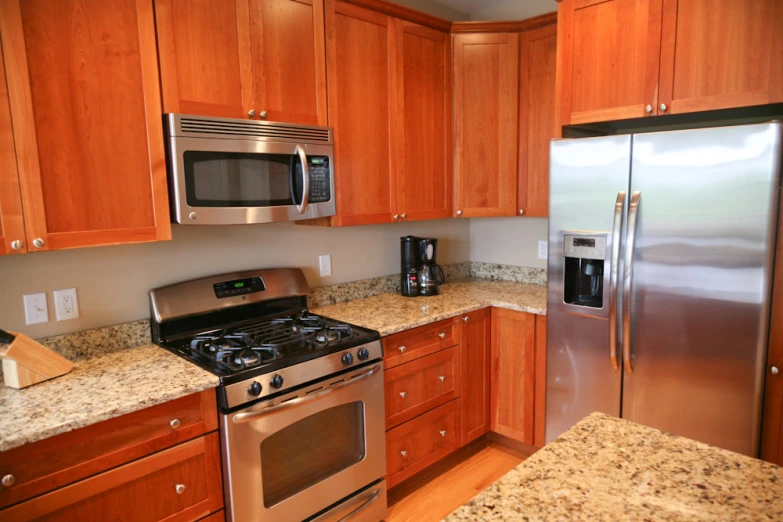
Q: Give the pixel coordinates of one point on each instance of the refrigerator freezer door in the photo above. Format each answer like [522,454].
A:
[588,182]
[700,281]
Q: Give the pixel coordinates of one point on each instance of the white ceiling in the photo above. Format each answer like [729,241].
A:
[501,9]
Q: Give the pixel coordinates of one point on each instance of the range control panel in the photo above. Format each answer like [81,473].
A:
[239,287]
[320,179]
[585,247]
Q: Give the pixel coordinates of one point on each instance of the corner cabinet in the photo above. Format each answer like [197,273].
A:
[83,91]
[622,59]
[475,395]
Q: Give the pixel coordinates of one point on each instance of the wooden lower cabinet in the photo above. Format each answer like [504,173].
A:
[475,391]
[220,516]
[410,345]
[180,483]
[421,442]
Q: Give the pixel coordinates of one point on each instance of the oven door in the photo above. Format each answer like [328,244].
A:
[235,181]
[306,452]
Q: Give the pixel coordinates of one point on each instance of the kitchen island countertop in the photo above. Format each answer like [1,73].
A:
[609,469]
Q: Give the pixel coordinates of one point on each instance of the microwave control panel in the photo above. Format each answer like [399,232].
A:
[320,179]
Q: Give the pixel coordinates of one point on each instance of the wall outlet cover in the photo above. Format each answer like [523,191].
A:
[325,263]
[35,308]
[543,249]
[66,304]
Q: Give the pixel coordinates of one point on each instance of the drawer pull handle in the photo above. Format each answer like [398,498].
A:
[179,488]
[404,453]
[175,424]
[442,378]
[442,335]
[442,433]
[403,394]
[8,480]
[465,318]
[402,349]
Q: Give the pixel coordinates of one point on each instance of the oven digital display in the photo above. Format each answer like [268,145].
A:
[584,242]
[239,287]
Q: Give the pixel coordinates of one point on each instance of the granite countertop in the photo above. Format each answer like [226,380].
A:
[392,313]
[611,469]
[97,389]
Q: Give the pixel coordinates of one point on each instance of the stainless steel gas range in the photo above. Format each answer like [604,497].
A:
[301,397]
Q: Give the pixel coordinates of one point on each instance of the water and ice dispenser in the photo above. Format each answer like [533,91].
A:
[584,270]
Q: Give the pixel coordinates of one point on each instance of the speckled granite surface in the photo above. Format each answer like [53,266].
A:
[608,469]
[391,313]
[97,389]
[520,274]
[99,341]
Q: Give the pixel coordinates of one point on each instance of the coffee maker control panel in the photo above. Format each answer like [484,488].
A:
[585,247]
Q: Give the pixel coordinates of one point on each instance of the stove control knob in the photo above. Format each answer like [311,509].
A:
[255,389]
[277,381]
[363,354]
[347,359]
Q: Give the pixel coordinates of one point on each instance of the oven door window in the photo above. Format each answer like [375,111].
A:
[311,450]
[229,179]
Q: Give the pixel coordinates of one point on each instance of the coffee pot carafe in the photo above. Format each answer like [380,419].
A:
[431,274]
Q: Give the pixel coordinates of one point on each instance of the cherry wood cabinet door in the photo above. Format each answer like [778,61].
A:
[475,346]
[513,373]
[360,60]
[289,61]
[608,63]
[12,237]
[85,103]
[424,134]
[205,58]
[718,54]
[536,118]
[539,409]
[486,93]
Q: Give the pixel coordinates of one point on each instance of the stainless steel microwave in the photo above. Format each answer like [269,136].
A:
[229,171]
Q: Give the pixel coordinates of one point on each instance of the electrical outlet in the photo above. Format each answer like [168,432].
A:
[35,309]
[543,250]
[325,262]
[66,304]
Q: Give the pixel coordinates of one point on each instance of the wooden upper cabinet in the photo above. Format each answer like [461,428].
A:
[609,59]
[360,53]
[718,54]
[424,129]
[205,58]
[536,118]
[12,237]
[289,66]
[85,103]
[475,346]
[486,93]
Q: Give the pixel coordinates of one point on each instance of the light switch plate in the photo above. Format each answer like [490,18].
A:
[543,249]
[35,309]
[66,304]
[325,263]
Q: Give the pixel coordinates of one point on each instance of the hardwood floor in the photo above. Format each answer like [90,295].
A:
[442,488]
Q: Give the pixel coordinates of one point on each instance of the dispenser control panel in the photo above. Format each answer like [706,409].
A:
[585,247]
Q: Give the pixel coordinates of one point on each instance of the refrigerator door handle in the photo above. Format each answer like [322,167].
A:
[617,227]
[630,245]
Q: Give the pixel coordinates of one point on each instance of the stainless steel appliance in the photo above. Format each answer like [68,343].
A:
[228,171]
[660,262]
[301,399]
[430,272]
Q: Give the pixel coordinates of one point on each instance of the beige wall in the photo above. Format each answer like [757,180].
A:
[513,9]
[112,282]
[508,241]
[435,9]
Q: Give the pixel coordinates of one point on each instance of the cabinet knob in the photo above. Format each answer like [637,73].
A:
[263,115]
[662,107]
[251,113]
[442,378]
[17,244]
[179,488]
[8,480]
[774,370]
[192,215]
[174,424]
[521,211]
[403,394]
[396,217]
[404,453]
[459,212]
[648,109]
[38,242]
[442,335]
[402,349]
[465,318]
[442,433]
[404,215]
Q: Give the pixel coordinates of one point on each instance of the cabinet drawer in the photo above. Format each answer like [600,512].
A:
[180,483]
[63,459]
[415,445]
[419,386]
[406,346]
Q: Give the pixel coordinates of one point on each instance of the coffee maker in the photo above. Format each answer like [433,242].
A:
[420,274]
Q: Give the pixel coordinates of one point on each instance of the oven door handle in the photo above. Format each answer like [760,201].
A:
[305,179]
[364,506]
[239,418]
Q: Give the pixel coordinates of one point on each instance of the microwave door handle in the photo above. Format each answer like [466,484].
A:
[240,418]
[305,179]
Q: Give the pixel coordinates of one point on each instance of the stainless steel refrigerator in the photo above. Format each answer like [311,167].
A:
[661,251]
